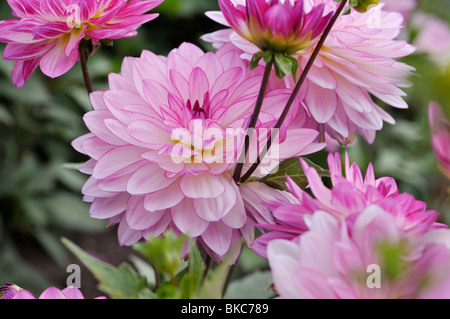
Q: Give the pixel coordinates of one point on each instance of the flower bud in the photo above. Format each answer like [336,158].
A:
[363,5]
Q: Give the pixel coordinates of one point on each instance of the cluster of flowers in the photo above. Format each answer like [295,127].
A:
[166,137]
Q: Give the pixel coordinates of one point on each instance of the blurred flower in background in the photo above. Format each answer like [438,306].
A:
[402,6]
[433,38]
[48,33]
[440,136]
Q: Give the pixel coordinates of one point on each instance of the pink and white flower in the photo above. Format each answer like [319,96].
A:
[402,6]
[364,258]
[349,196]
[48,33]
[440,136]
[356,63]
[433,38]
[70,292]
[276,25]
[164,142]
[9,290]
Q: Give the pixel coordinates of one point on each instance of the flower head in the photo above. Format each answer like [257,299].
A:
[9,290]
[276,25]
[433,38]
[402,6]
[48,33]
[349,196]
[363,5]
[356,63]
[368,257]
[164,143]
[70,292]
[440,136]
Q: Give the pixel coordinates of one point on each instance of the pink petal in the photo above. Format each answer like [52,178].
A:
[72,292]
[201,186]
[218,237]
[138,218]
[126,235]
[52,293]
[164,199]
[186,220]
[148,179]
[103,208]
[55,62]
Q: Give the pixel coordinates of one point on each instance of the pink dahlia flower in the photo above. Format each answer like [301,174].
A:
[9,290]
[47,33]
[276,25]
[402,6]
[70,292]
[433,38]
[349,196]
[440,136]
[164,141]
[356,63]
[368,257]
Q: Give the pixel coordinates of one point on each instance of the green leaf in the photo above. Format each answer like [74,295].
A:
[253,286]
[268,56]
[255,60]
[164,253]
[294,68]
[118,283]
[293,168]
[192,279]
[144,269]
[283,65]
[215,281]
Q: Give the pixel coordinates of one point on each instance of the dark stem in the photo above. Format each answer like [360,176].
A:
[296,90]
[253,121]
[208,264]
[84,69]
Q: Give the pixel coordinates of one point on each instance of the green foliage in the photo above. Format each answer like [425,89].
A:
[121,282]
[164,253]
[253,286]
[162,276]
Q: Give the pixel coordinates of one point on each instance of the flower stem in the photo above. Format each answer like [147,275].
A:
[253,121]
[84,69]
[296,90]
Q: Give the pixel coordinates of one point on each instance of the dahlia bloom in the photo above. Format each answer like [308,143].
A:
[349,196]
[9,290]
[402,6]
[48,33]
[356,62]
[164,142]
[70,292]
[367,257]
[276,25]
[440,136]
[433,38]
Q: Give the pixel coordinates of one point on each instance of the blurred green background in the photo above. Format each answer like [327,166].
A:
[40,198]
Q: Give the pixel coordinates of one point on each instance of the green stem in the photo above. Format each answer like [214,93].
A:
[296,90]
